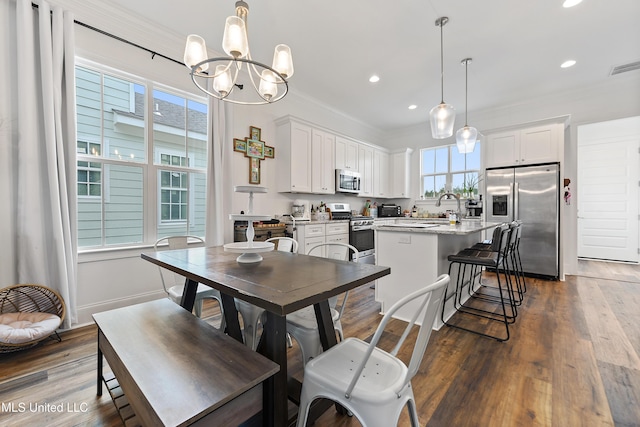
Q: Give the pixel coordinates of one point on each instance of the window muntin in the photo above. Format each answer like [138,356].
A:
[445,169]
[117,132]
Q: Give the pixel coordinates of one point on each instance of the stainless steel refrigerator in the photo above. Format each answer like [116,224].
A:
[530,194]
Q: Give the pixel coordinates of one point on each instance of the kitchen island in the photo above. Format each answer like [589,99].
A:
[417,251]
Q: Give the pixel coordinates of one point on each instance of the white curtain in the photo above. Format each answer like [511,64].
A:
[40,122]
[219,186]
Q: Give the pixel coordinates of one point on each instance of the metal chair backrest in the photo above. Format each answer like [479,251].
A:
[173,243]
[431,298]
[285,244]
[341,251]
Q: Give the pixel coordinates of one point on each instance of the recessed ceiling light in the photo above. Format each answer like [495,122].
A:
[413,107]
[374,79]
[567,64]
[571,3]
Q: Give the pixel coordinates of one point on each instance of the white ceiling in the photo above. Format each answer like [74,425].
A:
[517,48]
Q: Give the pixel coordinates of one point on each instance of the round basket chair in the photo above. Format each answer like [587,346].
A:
[28,314]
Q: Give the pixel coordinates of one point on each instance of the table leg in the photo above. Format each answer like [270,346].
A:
[231,317]
[189,294]
[100,362]
[325,324]
[274,346]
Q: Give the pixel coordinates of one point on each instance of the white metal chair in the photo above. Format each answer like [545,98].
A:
[252,315]
[302,324]
[369,382]
[173,284]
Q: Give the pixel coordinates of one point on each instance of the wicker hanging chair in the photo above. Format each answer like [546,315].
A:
[25,300]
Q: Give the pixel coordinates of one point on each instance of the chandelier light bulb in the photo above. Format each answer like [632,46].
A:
[268,88]
[222,81]
[282,60]
[195,51]
[234,41]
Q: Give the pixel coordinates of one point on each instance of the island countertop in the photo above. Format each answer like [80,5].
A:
[434,226]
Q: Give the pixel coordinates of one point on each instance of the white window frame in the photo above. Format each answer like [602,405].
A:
[150,168]
[449,173]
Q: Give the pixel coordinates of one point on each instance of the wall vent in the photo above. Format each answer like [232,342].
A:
[625,68]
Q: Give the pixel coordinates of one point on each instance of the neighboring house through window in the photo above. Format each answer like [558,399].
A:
[142,159]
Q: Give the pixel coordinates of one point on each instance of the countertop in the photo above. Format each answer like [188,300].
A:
[314,222]
[436,226]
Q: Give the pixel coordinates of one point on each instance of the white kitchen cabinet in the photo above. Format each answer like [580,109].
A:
[323,179]
[365,167]
[540,144]
[346,153]
[401,173]
[337,232]
[294,156]
[309,235]
[381,174]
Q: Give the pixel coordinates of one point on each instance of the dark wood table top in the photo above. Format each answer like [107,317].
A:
[281,283]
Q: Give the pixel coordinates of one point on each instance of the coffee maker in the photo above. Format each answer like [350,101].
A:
[474,208]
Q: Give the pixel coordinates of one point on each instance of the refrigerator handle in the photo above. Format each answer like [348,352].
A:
[516,201]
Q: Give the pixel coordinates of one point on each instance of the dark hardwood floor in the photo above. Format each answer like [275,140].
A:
[572,360]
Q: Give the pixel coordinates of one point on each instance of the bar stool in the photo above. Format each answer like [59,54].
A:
[474,260]
[511,262]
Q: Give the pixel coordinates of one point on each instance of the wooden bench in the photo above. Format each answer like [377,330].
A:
[177,370]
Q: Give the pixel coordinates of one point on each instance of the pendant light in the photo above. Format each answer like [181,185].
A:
[442,116]
[466,136]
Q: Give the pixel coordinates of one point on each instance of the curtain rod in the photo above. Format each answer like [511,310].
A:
[113,36]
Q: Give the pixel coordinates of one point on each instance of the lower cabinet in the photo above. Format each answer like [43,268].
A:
[310,234]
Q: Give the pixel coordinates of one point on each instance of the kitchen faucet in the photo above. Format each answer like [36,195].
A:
[459,213]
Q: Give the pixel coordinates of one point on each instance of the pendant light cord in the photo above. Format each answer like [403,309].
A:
[466,91]
[441,63]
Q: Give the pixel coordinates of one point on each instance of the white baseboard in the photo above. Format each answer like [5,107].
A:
[86,312]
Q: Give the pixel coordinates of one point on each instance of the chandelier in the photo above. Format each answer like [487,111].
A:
[466,136]
[219,76]
[442,116]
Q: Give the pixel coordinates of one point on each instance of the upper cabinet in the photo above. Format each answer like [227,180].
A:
[346,153]
[525,146]
[293,156]
[400,173]
[323,176]
[381,174]
[365,167]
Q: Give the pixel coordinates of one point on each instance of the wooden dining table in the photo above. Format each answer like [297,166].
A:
[280,284]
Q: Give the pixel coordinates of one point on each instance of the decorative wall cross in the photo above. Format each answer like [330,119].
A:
[255,150]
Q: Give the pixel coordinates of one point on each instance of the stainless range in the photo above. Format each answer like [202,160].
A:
[361,233]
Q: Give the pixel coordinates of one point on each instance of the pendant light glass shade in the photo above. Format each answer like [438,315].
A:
[466,136]
[443,116]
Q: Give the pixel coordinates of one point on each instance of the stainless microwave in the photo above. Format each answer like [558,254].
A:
[347,181]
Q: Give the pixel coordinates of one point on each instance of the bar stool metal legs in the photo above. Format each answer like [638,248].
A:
[475,260]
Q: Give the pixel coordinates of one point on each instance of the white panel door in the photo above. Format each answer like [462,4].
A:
[608,180]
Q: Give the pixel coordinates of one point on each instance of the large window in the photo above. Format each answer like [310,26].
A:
[142,157]
[445,169]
